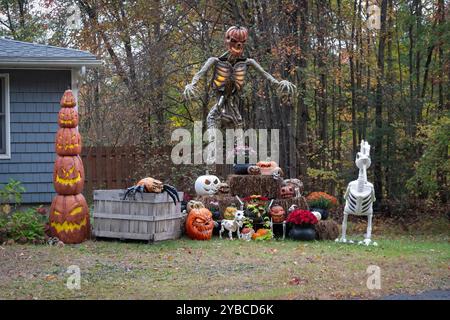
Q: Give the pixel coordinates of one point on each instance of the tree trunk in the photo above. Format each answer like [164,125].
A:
[379,108]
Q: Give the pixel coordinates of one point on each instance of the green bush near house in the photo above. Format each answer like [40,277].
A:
[20,225]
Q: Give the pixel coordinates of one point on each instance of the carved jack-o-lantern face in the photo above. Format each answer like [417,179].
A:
[267,167]
[68,118]
[223,188]
[68,175]
[206,185]
[68,99]
[235,39]
[68,142]
[199,224]
[277,213]
[287,191]
[69,218]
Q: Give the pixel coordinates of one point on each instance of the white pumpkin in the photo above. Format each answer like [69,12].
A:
[206,185]
[317,215]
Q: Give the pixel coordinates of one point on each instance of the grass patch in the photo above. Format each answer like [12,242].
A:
[223,269]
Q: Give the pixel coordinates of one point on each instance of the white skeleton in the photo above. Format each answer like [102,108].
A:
[232,225]
[360,196]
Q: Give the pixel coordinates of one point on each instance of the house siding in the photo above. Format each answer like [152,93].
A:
[34,106]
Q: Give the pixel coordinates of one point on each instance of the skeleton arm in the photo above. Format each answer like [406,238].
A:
[283,85]
[190,91]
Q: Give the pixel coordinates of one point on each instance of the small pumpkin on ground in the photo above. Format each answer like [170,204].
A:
[262,234]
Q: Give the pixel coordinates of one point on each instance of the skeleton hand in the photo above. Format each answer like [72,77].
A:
[286,86]
[190,91]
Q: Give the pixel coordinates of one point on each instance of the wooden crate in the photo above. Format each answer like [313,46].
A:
[154,218]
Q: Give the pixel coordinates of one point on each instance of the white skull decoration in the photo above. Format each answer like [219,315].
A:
[206,185]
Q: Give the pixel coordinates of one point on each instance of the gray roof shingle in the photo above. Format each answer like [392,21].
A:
[12,50]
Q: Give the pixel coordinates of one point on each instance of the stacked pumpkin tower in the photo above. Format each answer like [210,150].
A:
[69,212]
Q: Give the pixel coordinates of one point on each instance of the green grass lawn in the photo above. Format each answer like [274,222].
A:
[221,269]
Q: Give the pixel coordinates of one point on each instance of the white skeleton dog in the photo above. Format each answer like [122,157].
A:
[360,196]
[233,225]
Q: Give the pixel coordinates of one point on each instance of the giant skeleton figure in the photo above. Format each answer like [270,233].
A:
[360,196]
[228,81]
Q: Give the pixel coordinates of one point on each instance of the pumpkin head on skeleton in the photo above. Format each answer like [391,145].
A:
[235,39]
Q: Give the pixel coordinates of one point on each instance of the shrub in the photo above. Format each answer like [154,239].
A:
[26,226]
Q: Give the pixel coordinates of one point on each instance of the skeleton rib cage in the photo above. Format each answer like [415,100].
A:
[359,202]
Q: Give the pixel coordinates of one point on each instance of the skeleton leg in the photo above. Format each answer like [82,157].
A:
[230,234]
[343,237]
[369,227]
[367,239]
[221,230]
[213,123]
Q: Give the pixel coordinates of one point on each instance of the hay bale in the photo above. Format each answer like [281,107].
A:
[224,202]
[327,230]
[247,185]
[286,203]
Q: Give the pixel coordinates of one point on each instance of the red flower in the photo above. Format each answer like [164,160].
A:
[299,216]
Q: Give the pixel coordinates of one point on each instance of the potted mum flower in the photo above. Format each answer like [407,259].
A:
[321,202]
[302,222]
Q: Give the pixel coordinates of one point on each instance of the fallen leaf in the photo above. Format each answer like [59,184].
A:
[50,277]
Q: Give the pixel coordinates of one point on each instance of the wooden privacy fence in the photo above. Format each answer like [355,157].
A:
[108,168]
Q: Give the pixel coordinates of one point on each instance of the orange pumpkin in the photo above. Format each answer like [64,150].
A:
[69,218]
[259,233]
[68,118]
[68,142]
[267,167]
[277,213]
[68,99]
[199,224]
[68,175]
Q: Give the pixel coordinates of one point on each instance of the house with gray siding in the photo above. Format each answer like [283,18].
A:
[33,78]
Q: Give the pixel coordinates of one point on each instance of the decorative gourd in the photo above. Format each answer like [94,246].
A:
[207,185]
[267,167]
[68,118]
[199,224]
[68,175]
[69,218]
[68,142]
